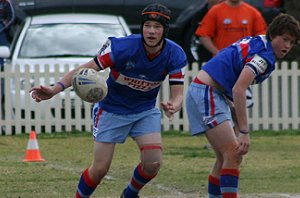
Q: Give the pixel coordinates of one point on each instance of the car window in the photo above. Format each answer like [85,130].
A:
[66,40]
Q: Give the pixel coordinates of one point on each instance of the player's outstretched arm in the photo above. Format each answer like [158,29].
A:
[40,93]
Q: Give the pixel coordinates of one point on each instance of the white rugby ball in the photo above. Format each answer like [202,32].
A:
[89,85]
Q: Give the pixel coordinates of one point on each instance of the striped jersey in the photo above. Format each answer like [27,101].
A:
[255,53]
[134,79]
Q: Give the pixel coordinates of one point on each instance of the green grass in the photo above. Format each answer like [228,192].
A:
[272,166]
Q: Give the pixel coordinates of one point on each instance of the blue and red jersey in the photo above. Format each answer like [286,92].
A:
[134,79]
[255,53]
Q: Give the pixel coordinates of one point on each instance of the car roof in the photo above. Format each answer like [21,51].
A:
[75,18]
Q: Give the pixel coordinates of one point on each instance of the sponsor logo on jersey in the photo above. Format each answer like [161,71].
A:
[259,63]
[227,21]
[137,84]
[245,22]
[129,65]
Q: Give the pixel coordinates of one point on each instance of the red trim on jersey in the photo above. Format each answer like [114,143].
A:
[248,60]
[105,61]
[198,81]
[176,76]
[244,50]
[152,56]
[115,74]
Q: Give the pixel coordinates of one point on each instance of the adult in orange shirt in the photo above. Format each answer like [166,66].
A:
[228,22]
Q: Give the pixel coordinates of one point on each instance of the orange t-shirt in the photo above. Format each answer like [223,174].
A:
[225,24]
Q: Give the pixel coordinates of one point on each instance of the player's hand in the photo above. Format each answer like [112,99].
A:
[169,109]
[41,93]
[243,144]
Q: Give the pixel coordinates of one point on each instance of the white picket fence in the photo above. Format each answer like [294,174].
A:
[276,102]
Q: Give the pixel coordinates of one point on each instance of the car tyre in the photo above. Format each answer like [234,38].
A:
[194,50]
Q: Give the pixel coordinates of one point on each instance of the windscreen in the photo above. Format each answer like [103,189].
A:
[67,40]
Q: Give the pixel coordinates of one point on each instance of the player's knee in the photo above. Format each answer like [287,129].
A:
[151,168]
[151,159]
[233,160]
[234,157]
[218,164]
[231,156]
[99,172]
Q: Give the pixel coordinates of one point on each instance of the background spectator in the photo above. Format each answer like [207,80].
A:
[227,22]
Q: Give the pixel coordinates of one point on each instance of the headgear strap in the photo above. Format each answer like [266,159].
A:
[157,13]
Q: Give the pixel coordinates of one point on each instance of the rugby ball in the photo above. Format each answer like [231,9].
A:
[89,85]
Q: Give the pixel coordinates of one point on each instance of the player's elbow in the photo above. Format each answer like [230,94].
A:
[238,91]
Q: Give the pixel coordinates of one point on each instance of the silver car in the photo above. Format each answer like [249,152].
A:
[55,40]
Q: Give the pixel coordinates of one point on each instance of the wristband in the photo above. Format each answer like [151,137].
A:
[244,132]
[62,85]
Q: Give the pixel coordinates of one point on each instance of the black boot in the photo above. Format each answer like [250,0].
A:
[123,194]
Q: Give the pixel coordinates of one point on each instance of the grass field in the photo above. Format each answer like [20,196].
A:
[270,170]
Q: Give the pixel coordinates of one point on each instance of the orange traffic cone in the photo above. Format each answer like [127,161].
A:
[33,152]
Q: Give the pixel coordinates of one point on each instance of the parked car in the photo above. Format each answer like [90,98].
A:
[58,39]
[185,15]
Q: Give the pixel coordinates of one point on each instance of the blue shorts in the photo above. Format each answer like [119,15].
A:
[115,128]
[206,108]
